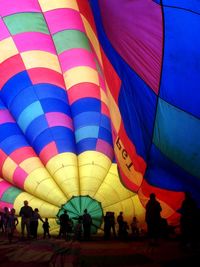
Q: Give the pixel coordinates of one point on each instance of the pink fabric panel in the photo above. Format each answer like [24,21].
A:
[76,57]
[48,152]
[19,177]
[22,154]
[9,68]
[9,7]
[135,31]
[5,204]
[64,19]
[102,83]
[3,187]
[83,90]
[44,75]
[34,41]
[58,119]
[105,148]
[5,116]
[3,157]
[105,110]
[3,30]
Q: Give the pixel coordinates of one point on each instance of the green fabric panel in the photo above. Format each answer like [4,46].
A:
[26,22]
[176,134]
[69,39]
[75,207]
[11,194]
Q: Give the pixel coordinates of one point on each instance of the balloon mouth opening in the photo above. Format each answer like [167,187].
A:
[75,208]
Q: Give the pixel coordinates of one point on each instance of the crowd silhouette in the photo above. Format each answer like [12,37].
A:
[115,227]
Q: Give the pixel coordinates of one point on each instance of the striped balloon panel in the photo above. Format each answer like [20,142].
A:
[86,90]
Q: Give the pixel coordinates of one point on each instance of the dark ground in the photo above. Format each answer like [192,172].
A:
[96,253]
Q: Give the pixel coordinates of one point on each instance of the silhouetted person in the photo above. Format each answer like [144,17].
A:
[11,224]
[107,226]
[34,223]
[189,220]
[46,228]
[64,224]
[26,213]
[78,229]
[87,223]
[5,216]
[153,218]
[112,223]
[120,221]
[135,227]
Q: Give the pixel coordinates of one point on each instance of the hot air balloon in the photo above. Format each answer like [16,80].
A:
[153,47]
[56,146]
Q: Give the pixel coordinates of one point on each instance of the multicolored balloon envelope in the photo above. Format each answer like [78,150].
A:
[83,83]
[55,127]
[154,49]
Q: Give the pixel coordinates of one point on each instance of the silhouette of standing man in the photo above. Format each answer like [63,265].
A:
[153,218]
[26,213]
[87,223]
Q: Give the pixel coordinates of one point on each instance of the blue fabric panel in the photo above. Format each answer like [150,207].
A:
[86,145]
[55,105]
[66,145]
[105,135]
[87,118]
[50,91]
[164,173]
[14,85]
[36,127]
[86,132]
[12,143]
[105,122]
[137,102]
[8,129]
[24,98]
[85,104]
[181,68]
[29,114]
[192,5]
[42,140]
[177,136]
[60,132]
[2,106]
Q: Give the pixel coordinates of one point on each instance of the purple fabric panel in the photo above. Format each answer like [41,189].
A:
[135,31]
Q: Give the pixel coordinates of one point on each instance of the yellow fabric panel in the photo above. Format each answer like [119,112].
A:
[7,48]
[104,97]
[47,5]
[37,59]
[93,168]
[130,208]
[63,168]
[114,111]
[111,190]
[80,75]
[8,169]
[40,184]
[93,39]
[31,164]
[45,209]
